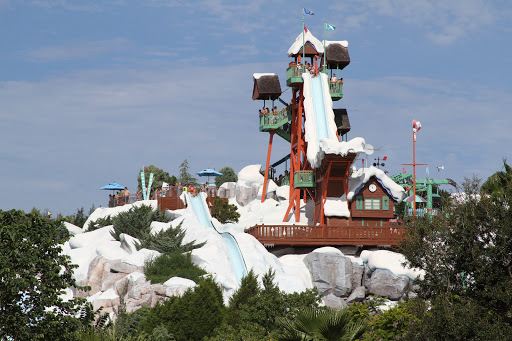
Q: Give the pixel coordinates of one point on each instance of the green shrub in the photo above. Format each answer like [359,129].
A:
[193,316]
[160,269]
[224,212]
[99,223]
[168,241]
[136,222]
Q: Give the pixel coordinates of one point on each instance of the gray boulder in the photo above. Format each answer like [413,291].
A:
[245,195]
[330,273]
[385,283]
[227,190]
[357,275]
[358,295]
[334,302]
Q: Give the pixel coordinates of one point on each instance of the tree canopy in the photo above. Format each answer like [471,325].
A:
[467,260]
[228,175]
[34,274]
[185,175]
[159,177]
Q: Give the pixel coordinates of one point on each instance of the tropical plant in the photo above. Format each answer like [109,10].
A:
[499,181]
[316,324]
[228,175]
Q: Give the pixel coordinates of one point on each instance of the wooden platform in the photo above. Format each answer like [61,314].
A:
[301,235]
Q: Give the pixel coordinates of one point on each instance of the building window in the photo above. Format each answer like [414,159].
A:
[372,204]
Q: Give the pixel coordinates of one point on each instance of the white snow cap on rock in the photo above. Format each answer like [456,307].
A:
[250,175]
[308,37]
[259,75]
[362,176]
[336,207]
[391,261]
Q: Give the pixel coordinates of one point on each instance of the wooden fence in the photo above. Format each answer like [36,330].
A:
[297,235]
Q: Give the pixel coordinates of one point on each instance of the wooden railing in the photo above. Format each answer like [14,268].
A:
[297,235]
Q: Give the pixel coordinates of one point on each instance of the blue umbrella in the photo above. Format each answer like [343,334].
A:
[113,186]
[209,172]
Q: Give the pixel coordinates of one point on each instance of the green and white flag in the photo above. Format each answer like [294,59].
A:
[329,27]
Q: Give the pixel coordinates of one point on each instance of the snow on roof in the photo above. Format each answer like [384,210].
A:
[259,75]
[361,176]
[343,43]
[297,45]
[336,207]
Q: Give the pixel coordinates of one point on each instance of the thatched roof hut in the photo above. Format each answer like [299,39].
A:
[336,55]
[266,86]
[341,120]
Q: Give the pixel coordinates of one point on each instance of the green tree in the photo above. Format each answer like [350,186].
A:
[159,177]
[316,324]
[34,274]
[228,175]
[466,257]
[193,316]
[224,211]
[499,181]
[185,176]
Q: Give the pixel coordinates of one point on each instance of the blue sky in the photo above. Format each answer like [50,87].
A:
[91,91]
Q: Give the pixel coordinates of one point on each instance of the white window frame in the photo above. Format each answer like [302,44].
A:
[372,204]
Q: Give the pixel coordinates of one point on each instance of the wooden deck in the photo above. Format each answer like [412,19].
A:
[300,235]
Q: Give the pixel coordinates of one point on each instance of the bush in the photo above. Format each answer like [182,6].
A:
[224,212]
[168,241]
[99,223]
[160,269]
[136,222]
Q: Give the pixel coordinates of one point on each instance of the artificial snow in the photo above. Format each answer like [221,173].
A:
[362,176]
[336,207]
[103,212]
[250,175]
[140,257]
[72,229]
[328,249]
[392,261]
[318,147]
[343,43]
[308,37]
[259,75]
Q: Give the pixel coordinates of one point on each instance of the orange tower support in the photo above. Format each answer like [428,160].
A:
[269,152]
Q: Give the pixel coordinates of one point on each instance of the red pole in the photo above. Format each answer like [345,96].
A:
[264,193]
[414,172]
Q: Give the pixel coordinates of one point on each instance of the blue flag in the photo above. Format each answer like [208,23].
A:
[308,12]
[329,27]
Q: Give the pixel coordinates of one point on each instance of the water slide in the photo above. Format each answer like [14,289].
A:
[202,213]
[319,105]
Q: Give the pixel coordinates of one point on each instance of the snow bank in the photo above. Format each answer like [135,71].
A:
[250,176]
[392,261]
[336,207]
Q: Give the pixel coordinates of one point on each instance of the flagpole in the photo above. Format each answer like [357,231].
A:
[303,38]
[325,22]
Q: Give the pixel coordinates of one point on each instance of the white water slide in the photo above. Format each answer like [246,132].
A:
[198,204]
[320,126]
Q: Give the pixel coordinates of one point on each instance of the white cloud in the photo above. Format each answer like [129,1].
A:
[77,51]
[444,21]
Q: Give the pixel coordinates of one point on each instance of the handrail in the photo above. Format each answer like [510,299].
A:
[282,116]
[327,235]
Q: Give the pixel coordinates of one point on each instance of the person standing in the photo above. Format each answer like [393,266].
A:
[126,195]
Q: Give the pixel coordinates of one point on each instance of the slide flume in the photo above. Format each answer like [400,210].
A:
[317,91]
[235,255]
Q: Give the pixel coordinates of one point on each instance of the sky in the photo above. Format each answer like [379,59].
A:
[93,91]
